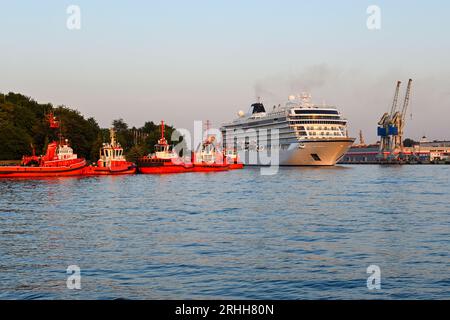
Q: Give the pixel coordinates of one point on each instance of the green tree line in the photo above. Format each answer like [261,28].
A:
[23,125]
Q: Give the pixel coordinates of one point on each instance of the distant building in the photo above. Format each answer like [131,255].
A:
[424,151]
[364,154]
[434,150]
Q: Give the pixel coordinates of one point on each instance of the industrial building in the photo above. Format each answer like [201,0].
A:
[421,153]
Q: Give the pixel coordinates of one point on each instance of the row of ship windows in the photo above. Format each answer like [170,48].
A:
[316,111]
[313,133]
[316,122]
[315,117]
[319,128]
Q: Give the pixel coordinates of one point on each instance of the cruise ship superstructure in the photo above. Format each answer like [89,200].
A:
[297,134]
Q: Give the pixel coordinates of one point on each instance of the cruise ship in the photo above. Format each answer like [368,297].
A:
[299,133]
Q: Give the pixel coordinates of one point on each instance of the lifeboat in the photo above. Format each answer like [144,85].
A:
[111,160]
[58,161]
[164,160]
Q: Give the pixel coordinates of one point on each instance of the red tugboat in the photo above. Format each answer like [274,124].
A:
[58,161]
[209,157]
[164,160]
[112,160]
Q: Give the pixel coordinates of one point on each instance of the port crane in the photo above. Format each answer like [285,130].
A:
[385,127]
[391,126]
[402,117]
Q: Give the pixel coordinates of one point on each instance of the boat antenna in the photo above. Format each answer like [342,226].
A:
[162,141]
[112,136]
[54,123]
[207,127]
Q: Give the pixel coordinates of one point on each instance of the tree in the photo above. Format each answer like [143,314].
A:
[135,153]
[82,134]
[119,125]
[23,122]
[14,142]
[124,135]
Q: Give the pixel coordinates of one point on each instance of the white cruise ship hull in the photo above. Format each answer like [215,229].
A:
[307,153]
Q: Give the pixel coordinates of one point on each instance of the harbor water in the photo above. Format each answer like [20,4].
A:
[304,233]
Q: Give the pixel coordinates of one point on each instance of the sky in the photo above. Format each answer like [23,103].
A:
[195,60]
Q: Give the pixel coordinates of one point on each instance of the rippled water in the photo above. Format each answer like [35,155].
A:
[305,233]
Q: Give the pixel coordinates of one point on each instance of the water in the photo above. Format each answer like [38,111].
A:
[305,233]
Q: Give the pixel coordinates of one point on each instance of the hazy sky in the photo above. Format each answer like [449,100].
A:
[190,60]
